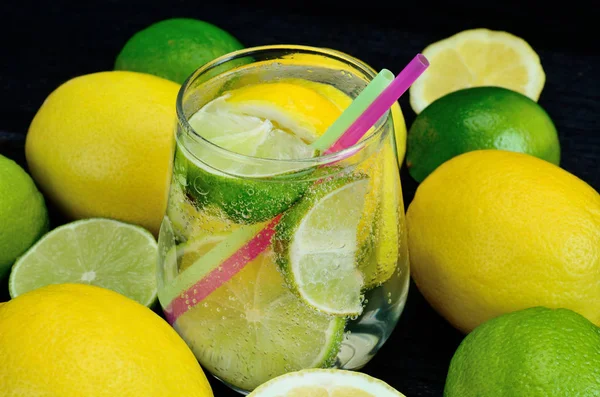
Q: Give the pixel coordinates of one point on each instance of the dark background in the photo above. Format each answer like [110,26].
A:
[46,43]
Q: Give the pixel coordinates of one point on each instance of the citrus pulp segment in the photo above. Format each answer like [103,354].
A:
[316,244]
[102,252]
[253,328]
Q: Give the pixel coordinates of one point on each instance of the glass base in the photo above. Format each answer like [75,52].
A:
[232,387]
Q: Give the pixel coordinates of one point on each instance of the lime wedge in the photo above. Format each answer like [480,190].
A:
[253,328]
[316,244]
[102,252]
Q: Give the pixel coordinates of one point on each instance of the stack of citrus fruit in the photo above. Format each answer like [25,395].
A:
[499,234]
[495,228]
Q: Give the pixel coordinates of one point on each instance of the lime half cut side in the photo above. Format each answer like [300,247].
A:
[253,328]
[316,243]
[101,252]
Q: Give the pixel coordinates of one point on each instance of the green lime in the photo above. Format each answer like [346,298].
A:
[536,352]
[479,118]
[102,252]
[317,245]
[175,48]
[23,215]
[253,328]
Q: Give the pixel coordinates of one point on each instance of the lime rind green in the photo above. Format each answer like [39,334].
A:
[356,108]
[208,262]
[97,251]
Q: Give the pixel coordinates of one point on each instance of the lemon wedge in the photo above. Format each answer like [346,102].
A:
[478,57]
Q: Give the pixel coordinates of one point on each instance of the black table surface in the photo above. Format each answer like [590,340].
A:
[45,45]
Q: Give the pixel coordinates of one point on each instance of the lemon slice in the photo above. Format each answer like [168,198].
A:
[325,383]
[253,328]
[478,57]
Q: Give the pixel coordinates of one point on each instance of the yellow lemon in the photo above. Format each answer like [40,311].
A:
[492,232]
[79,340]
[325,383]
[478,57]
[101,146]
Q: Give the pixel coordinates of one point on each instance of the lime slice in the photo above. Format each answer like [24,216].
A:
[253,328]
[247,135]
[316,243]
[102,252]
[325,383]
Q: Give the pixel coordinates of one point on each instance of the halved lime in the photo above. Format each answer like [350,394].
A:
[316,243]
[253,328]
[102,252]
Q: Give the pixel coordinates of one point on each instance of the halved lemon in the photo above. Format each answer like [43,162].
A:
[478,57]
[325,383]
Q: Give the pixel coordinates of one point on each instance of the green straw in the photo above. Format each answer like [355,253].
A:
[356,108]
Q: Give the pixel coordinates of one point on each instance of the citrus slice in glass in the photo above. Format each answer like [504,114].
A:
[252,328]
[478,57]
[379,241]
[325,383]
[102,252]
[316,244]
[264,122]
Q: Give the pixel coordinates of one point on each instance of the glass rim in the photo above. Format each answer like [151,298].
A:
[356,63]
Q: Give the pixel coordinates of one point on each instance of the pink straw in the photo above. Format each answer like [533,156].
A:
[261,241]
[381,104]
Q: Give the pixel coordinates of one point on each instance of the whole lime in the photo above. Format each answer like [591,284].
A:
[174,48]
[479,118]
[535,352]
[23,215]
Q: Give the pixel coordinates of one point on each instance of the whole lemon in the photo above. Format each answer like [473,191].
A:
[80,340]
[494,231]
[535,352]
[101,146]
[23,215]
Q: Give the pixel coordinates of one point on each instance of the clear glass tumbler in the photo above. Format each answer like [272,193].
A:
[271,265]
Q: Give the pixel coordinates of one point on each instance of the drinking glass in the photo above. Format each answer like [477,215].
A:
[268,265]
